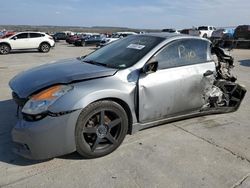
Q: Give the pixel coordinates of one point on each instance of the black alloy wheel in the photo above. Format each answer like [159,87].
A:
[100,129]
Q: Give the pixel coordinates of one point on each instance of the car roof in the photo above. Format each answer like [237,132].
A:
[30,32]
[167,35]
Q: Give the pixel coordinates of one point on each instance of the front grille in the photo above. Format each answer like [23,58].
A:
[20,101]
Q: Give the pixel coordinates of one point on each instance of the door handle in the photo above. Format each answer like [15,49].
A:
[208,73]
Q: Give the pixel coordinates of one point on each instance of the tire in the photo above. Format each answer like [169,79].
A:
[4,49]
[204,36]
[100,129]
[44,47]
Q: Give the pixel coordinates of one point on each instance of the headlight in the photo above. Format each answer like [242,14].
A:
[40,102]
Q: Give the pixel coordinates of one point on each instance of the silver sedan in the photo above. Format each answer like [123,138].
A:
[89,104]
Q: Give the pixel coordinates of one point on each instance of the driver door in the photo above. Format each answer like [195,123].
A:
[177,86]
[19,41]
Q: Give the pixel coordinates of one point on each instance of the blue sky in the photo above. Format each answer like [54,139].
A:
[126,13]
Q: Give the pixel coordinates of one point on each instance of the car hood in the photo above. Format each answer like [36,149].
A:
[61,72]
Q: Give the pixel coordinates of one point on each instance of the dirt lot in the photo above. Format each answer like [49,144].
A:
[211,151]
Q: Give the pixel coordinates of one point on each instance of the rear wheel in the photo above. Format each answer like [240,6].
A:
[4,49]
[44,47]
[100,129]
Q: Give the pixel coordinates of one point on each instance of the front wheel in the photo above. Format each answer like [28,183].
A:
[4,49]
[100,129]
[44,47]
[205,36]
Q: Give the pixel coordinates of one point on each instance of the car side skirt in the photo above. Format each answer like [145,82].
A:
[140,126]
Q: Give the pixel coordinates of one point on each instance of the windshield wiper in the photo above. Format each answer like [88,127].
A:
[98,63]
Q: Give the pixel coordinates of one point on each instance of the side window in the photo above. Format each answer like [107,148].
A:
[22,36]
[183,52]
[210,28]
[35,35]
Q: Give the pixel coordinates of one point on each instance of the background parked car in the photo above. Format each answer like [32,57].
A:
[242,32]
[27,40]
[122,34]
[224,33]
[81,40]
[59,36]
[191,31]
[171,30]
[106,41]
[93,40]
[72,38]
[206,31]
[7,34]
[114,37]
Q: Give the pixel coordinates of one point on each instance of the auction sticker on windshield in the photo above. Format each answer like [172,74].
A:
[136,46]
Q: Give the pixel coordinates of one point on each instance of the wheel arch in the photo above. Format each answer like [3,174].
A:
[125,106]
[44,42]
[6,44]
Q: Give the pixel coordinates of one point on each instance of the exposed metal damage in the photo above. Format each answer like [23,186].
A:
[224,92]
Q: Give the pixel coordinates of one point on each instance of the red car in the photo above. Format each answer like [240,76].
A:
[72,38]
[7,34]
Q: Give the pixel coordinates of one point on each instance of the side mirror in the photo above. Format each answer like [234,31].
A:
[150,67]
[14,38]
[81,57]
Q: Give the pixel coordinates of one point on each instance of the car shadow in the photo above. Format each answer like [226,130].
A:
[8,119]
[72,156]
[72,45]
[24,51]
[245,62]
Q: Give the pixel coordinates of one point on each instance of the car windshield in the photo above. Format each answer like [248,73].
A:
[125,52]
[203,28]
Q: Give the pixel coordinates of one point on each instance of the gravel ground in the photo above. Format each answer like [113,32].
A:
[211,151]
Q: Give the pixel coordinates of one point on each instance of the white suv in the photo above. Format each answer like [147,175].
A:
[27,40]
[206,31]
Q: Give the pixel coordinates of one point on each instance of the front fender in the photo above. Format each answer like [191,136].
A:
[87,92]
[4,42]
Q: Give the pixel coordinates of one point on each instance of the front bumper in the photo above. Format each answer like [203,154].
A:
[46,138]
[53,44]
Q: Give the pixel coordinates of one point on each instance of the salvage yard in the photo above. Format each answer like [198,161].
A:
[210,151]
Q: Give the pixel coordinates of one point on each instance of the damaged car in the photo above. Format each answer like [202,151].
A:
[89,104]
